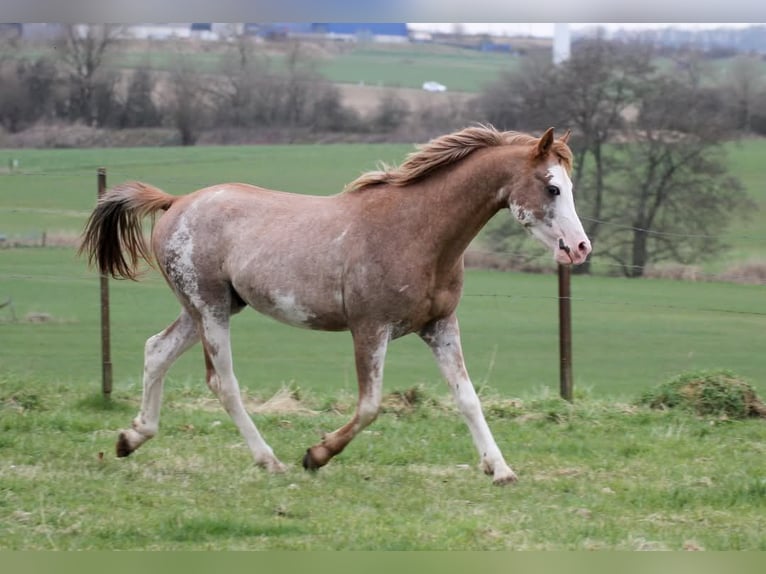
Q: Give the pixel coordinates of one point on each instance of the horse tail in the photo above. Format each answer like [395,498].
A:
[113,237]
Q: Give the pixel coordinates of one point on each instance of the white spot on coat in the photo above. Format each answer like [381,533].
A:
[287,308]
[181,266]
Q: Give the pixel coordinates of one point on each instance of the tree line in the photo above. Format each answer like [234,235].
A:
[648,133]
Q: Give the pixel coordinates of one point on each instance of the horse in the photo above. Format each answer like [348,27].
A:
[382,258]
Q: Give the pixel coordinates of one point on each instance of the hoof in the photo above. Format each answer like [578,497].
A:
[274,466]
[309,463]
[123,447]
[505,478]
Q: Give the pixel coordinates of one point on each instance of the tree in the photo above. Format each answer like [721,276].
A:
[591,93]
[29,91]
[139,109]
[83,52]
[649,169]
[597,86]
[670,194]
[251,94]
[187,105]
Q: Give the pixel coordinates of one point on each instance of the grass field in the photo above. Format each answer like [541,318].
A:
[405,66]
[600,474]
[592,476]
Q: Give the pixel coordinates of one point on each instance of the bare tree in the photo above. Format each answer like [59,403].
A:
[650,174]
[140,109]
[188,102]
[29,90]
[670,195]
[745,81]
[597,87]
[83,52]
[253,94]
[591,93]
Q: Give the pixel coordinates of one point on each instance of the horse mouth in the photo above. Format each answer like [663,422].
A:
[566,255]
[563,247]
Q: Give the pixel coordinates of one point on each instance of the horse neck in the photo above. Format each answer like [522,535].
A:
[463,198]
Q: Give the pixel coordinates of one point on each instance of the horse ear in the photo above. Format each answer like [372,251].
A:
[545,143]
[565,137]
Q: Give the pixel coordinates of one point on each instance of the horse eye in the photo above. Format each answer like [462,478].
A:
[553,190]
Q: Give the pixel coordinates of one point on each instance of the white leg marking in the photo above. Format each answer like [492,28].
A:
[370,352]
[224,384]
[160,352]
[444,341]
[369,403]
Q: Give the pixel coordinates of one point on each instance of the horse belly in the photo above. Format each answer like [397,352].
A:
[300,310]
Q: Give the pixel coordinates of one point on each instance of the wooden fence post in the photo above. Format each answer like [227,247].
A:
[565,333]
[106,352]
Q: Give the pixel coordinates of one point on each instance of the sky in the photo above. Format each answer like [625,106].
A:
[546,29]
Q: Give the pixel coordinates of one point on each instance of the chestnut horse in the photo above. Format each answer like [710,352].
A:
[382,259]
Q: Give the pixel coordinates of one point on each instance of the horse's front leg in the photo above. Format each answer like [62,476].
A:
[370,344]
[443,337]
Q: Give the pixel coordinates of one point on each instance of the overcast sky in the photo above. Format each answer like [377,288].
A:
[546,30]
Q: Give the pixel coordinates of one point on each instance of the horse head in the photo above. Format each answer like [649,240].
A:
[542,200]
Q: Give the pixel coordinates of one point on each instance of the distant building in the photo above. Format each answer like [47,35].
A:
[379,32]
[159,31]
[42,32]
[10,30]
[344,31]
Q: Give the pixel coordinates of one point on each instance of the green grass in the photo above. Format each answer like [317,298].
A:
[592,476]
[459,69]
[55,190]
[748,237]
[406,66]
[387,65]
[602,474]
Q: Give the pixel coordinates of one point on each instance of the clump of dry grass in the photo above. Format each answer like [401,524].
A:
[719,393]
[750,272]
[676,271]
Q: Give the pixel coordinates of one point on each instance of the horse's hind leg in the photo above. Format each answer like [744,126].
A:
[160,352]
[221,380]
[370,345]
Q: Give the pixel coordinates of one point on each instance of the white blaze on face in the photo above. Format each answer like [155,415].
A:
[561,229]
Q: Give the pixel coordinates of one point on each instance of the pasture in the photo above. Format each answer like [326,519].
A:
[394,66]
[600,474]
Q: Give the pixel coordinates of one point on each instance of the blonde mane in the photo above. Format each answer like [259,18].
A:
[446,150]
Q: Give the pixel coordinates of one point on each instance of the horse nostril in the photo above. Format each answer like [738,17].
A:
[583,246]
